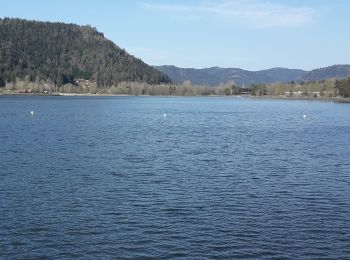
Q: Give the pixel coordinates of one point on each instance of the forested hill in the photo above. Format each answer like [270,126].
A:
[335,71]
[62,53]
[215,75]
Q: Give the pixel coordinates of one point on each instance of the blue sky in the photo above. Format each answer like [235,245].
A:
[249,34]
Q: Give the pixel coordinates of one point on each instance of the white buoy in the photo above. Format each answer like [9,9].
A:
[32,113]
[304,116]
[164,115]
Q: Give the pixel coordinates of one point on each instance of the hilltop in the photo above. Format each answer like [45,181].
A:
[60,53]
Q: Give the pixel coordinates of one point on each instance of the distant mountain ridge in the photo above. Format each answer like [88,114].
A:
[216,75]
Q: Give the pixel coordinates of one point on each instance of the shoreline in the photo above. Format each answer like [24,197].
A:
[327,99]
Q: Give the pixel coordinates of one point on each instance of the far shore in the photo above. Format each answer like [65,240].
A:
[329,99]
[266,97]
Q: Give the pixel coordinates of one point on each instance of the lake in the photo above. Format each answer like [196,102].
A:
[213,178]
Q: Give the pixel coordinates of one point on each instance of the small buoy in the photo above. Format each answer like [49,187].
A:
[304,116]
[164,115]
[32,113]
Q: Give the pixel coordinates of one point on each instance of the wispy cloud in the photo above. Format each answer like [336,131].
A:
[257,13]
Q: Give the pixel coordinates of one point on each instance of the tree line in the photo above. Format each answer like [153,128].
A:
[326,88]
[322,88]
[83,86]
[343,87]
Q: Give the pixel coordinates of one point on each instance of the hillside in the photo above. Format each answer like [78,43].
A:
[335,71]
[62,53]
[282,74]
[215,75]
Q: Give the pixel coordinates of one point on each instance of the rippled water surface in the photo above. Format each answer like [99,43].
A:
[102,178]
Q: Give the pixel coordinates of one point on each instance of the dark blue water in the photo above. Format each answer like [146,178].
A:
[103,178]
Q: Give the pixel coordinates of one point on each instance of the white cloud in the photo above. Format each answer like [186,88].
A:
[257,13]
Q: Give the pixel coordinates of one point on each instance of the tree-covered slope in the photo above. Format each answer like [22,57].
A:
[335,71]
[215,75]
[64,52]
[283,75]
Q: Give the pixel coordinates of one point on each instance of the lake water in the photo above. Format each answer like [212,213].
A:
[102,178]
